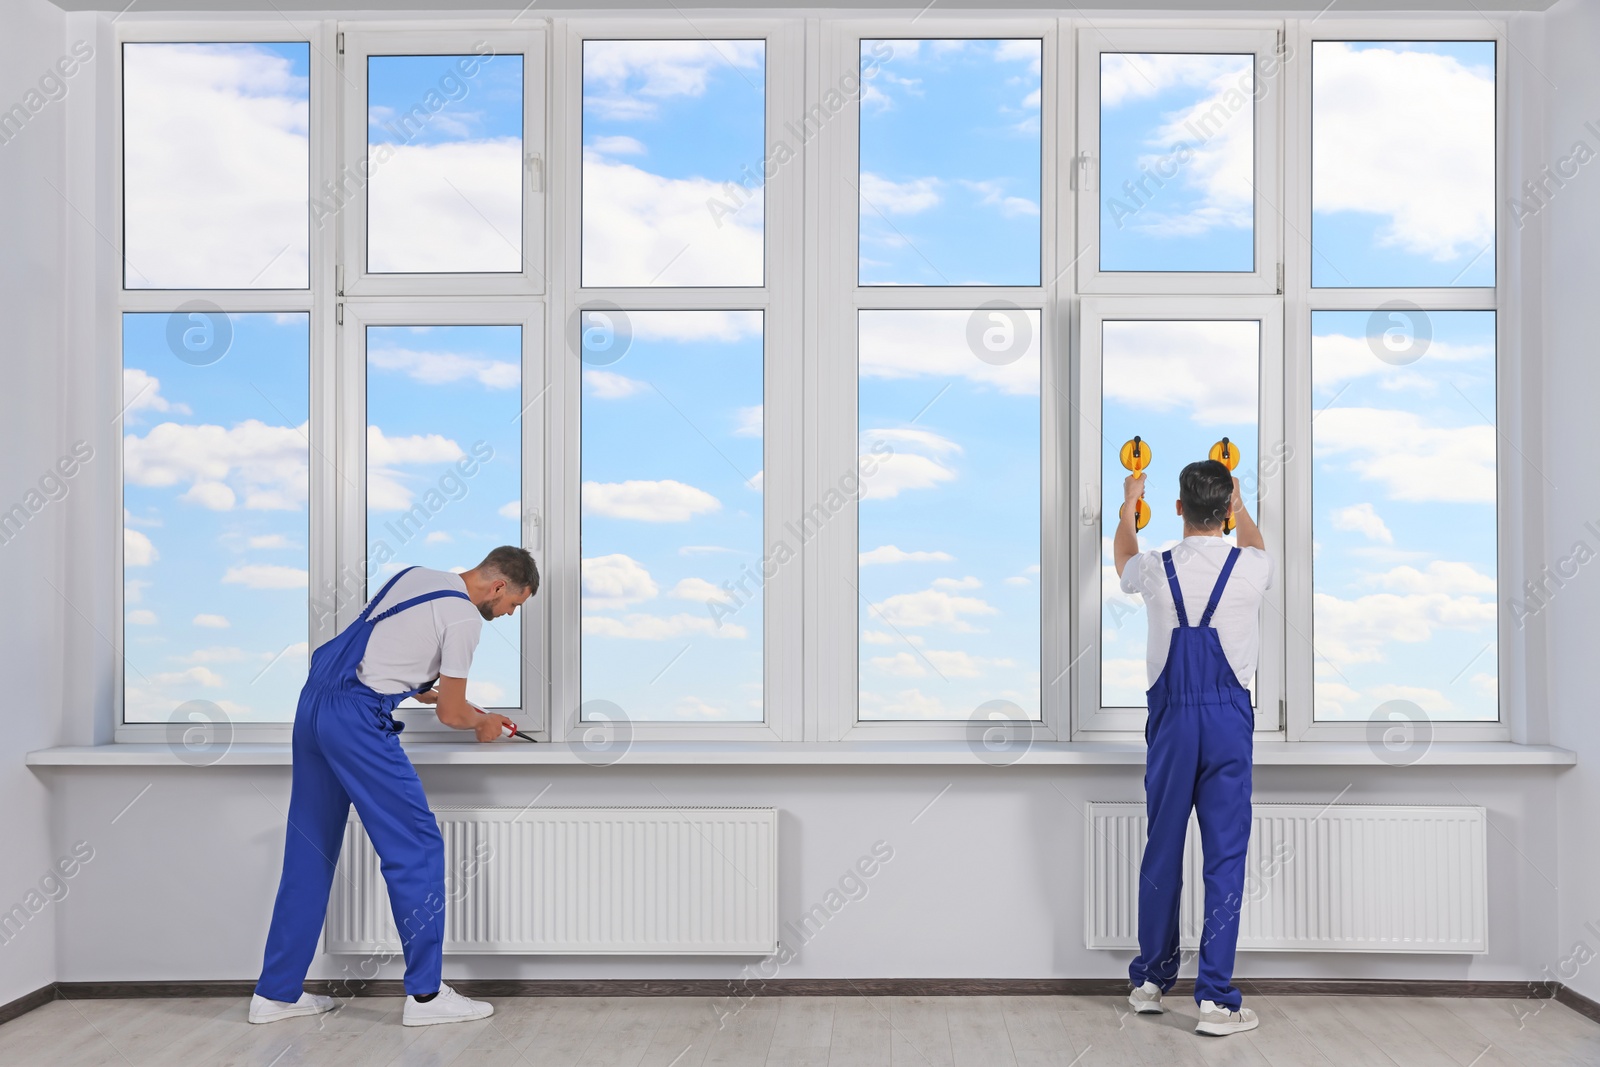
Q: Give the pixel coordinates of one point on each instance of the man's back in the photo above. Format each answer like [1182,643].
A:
[435,638]
[1198,560]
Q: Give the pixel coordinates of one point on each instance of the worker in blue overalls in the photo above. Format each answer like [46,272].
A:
[422,627]
[1198,732]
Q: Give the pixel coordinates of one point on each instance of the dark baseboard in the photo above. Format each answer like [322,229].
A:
[27,1002]
[1578,1002]
[826,987]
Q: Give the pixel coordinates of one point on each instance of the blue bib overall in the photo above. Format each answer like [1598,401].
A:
[347,751]
[1198,737]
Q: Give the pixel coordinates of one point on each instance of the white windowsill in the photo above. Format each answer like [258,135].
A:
[1268,753]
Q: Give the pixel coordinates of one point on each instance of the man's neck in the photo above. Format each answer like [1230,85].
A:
[1190,531]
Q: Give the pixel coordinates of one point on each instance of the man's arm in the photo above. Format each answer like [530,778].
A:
[453,710]
[1125,544]
[1249,533]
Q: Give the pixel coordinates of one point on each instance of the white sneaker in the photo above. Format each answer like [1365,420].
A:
[1146,1000]
[263,1010]
[448,1007]
[1219,1021]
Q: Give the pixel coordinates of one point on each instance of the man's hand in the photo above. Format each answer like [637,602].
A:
[490,727]
[430,697]
[1125,542]
[1133,488]
[1247,534]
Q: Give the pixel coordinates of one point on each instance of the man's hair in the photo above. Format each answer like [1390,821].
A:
[1206,489]
[515,565]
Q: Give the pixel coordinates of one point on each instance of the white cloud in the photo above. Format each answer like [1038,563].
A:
[454,206]
[265,576]
[895,554]
[1337,358]
[1020,51]
[879,195]
[270,541]
[955,585]
[386,489]
[878,637]
[950,664]
[267,465]
[1132,76]
[193,676]
[137,549]
[1363,630]
[625,79]
[645,501]
[655,628]
[1411,459]
[215,496]
[933,344]
[133,590]
[1207,370]
[1484,684]
[749,422]
[1451,579]
[142,392]
[695,325]
[212,622]
[615,581]
[992,194]
[931,607]
[1408,136]
[618,146]
[1362,519]
[701,591]
[230,214]
[1219,134]
[220,654]
[441,368]
[692,707]
[641,228]
[437,537]
[702,550]
[485,694]
[141,617]
[608,386]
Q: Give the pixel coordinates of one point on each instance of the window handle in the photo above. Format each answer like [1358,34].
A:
[1088,513]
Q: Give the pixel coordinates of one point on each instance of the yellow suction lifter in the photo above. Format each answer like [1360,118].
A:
[1136,457]
[1226,453]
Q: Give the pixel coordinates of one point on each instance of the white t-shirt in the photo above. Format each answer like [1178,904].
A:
[410,647]
[1198,561]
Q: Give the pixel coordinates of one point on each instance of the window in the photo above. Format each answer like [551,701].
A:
[444,468]
[1403,163]
[214,134]
[949,177]
[215,461]
[948,524]
[672,516]
[673,162]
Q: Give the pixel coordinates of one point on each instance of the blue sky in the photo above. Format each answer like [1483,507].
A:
[444,140]
[438,397]
[215,465]
[672,537]
[949,182]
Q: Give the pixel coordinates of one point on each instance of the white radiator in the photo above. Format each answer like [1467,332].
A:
[1346,878]
[580,880]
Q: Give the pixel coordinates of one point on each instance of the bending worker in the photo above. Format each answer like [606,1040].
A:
[423,625]
[1199,730]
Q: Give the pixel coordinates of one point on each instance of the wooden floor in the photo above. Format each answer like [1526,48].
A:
[810,1031]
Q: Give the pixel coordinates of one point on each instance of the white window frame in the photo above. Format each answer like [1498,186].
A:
[832,639]
[778,299]
[1512,526]
[1121,723]
[316,301]
[361,44]
[350,493]
[1265,41]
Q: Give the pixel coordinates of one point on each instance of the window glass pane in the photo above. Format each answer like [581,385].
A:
[215,470]
[948,527]
[1177,159]
[1402,163]
[950,155]
[444,147]
[673,556]
[216,165]
[674,162]
[1403,514]
[444,469]
[1180,387]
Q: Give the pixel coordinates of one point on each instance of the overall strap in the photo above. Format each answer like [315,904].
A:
[423,599]
[1177,594]
[384,592]
[1222,580]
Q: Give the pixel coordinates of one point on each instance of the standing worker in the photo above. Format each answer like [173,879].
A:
[1199,730]
[347,751]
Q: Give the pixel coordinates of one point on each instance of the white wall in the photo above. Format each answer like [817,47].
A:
[32,279]
[1569,229]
